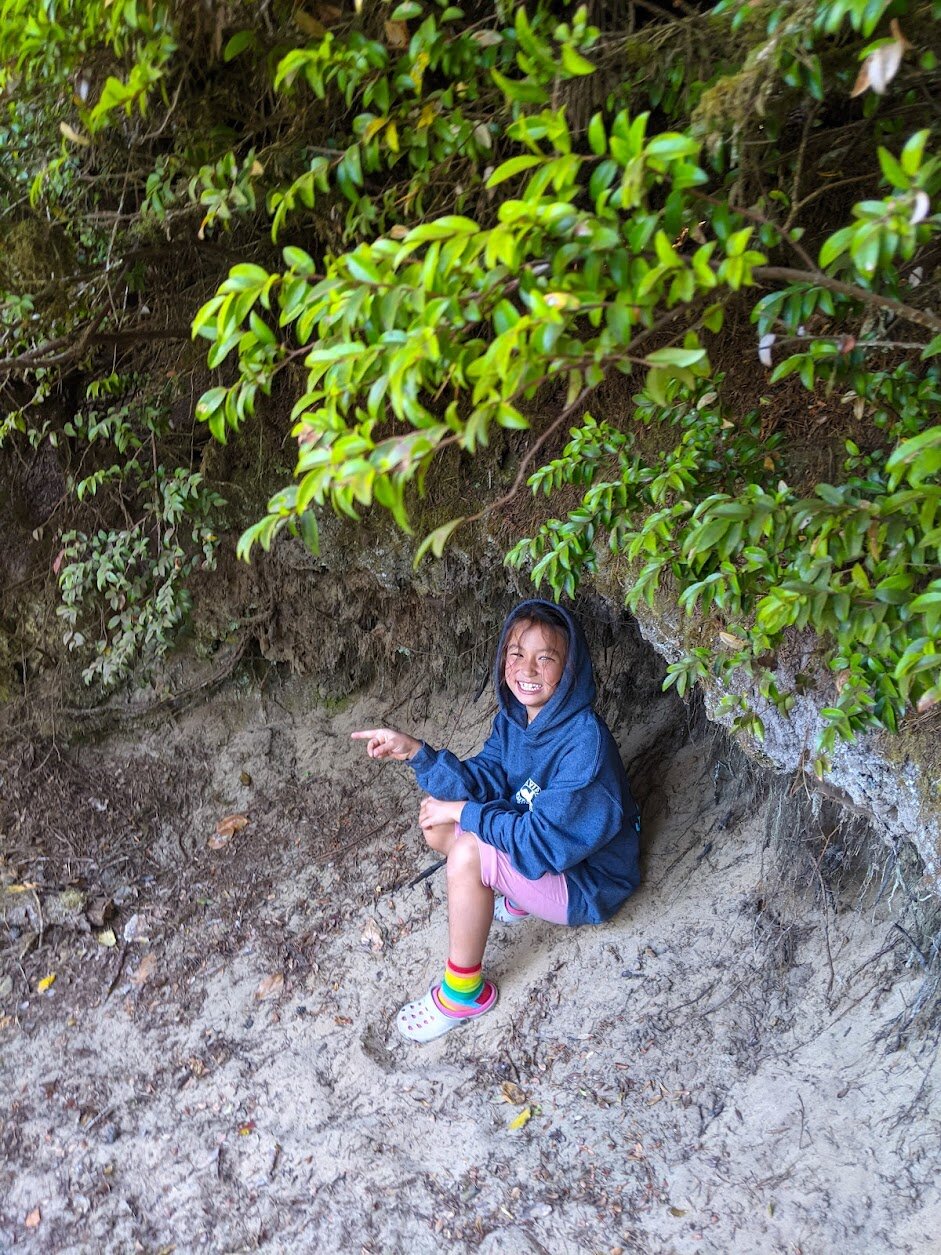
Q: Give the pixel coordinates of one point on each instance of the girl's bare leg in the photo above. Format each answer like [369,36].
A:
[470,903]
[440,838]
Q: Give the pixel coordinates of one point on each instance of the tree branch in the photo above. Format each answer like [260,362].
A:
[785,274]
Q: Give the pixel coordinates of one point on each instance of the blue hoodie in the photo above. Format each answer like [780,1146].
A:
[552,794]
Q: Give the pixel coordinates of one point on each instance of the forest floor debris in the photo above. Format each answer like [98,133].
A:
[203,945]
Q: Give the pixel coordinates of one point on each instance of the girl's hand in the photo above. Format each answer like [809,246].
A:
[433,812]
[387,743]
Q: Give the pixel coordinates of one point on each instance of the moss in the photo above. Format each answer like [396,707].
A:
[919,743]
[33,253]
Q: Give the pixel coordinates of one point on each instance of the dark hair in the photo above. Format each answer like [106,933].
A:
[547,615]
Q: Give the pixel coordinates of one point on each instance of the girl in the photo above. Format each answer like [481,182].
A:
[542,816]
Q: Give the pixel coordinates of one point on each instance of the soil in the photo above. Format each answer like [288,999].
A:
[215,1065]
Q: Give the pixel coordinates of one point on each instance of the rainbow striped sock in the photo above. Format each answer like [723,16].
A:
[460,987]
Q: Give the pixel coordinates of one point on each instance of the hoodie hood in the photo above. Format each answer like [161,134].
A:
[576,689]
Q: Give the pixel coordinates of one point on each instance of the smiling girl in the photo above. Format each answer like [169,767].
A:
[542,817]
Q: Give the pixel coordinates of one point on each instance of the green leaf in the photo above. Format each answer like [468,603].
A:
[309,532]
[514,166]
[435,541]
[676,357]
[574,63]
[913,151]
[597,139]
[237,44]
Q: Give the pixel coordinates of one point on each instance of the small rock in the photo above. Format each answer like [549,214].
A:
[136,929]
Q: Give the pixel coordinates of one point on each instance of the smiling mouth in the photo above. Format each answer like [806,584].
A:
[528,688]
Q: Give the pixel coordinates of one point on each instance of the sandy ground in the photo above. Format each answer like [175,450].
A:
[712,1071]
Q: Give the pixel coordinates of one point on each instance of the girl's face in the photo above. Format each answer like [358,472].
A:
[535,660]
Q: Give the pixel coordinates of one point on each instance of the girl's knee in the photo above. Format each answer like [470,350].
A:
[464,858]
[440,838]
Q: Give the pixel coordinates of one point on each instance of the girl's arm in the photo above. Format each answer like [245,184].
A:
[444,775]
[567,823]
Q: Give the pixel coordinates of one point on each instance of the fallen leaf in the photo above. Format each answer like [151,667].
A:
[246,1128]
[271,986]
[47,982]
[677,1211]
[231,824]
[396,34]
[244,778]
[512,1093]
[146,969]
[342,1020]
[522,1119]
[372,936]
[329,13]
[99,911]
[107,938]
[225,830]
[33,1219]
[58,561]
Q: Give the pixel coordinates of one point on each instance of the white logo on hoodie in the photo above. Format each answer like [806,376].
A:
[527,793]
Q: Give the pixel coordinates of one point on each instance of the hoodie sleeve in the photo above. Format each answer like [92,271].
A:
[481,778]
[569,820]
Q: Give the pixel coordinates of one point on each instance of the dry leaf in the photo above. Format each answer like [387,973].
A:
[226,829]
[372,936]
[329,13]
[60,556]
[882,64]
[231,824]
[677,1211]
[99,911]
[396,34]
[33,1219]
[47,982]
[919,214]
[73,135]
[309,25]
[522,1119]
[148,965]
[107,938]
[729,639]
[271,986]
[512,1093]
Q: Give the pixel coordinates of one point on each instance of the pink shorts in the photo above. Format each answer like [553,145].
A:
[547,897]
